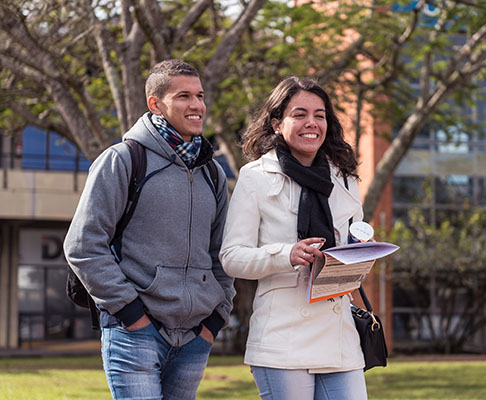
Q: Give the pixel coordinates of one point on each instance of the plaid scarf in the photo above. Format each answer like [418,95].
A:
[187,151]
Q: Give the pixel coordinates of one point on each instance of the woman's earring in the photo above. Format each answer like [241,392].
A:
[277,132]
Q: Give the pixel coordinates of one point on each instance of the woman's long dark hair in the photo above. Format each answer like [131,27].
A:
[260,137]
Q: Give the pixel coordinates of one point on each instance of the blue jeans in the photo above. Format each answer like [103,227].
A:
[140,364]
[291,384]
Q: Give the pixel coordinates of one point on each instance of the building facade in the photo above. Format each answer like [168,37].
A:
[42,178]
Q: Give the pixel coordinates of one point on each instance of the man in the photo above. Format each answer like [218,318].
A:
[163,304]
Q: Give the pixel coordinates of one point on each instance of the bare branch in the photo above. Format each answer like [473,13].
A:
[467,49]
[75,119]
[191,18]
[132,76]
[416,120]
[391,59]
[112,75]
[28,63]
[472,3]
[197,45]
[99,132]
[152,22]
[217,64]
[346,58]
[40,121]
[23,70]
[411,27]
[13,25]
[126,17]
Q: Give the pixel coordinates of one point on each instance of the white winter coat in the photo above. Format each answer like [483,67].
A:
[261,229]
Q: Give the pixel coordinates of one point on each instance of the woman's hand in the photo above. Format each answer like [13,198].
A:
[306,251]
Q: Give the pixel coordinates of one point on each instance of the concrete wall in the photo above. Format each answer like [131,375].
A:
[40,195]
[8,286]
[28,197]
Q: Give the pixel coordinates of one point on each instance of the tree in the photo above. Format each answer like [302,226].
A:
[440,274]
[67,66]
[77,67]
[412,64]
[408,65]
[446,55]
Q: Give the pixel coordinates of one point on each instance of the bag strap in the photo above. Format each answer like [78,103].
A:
[362,292]
[94,312]
[137,181]
[347,187]
[366,302]
[139,168]
[213,181]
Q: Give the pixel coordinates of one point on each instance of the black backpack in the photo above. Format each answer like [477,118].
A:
[74,288]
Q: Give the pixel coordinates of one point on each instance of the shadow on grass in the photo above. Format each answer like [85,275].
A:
[231,390]
[31,363]
[224,361]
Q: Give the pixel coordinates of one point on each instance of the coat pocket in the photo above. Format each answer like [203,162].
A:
[277,281]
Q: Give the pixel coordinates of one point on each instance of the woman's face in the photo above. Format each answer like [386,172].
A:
[303,126]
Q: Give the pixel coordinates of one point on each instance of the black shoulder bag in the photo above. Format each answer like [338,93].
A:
[371,334]
[370,329]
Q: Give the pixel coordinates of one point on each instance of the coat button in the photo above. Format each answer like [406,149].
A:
[305,312]
[338,308]
[274,248]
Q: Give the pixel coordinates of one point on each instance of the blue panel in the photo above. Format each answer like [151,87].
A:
[61,155]
[34,148]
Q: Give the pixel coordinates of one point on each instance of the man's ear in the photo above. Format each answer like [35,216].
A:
[153,106]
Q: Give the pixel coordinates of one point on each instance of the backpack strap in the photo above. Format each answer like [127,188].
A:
[94,312]
[139,169]
[213,179]
[137,181]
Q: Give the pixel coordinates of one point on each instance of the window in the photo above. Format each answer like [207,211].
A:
[409,189]
[44,150]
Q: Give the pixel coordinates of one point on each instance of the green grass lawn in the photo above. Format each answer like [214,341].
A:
[227,378]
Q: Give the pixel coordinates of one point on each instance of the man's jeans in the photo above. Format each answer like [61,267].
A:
[140,364]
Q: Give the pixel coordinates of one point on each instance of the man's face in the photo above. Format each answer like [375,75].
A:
[183,106]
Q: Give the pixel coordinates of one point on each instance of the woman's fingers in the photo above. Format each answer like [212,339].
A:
[305,251]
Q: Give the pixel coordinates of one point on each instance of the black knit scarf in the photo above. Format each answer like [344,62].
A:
[314,218]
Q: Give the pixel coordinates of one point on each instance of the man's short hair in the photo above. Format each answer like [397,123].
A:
[160,76]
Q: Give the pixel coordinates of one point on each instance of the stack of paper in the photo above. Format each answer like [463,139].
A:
[344,268]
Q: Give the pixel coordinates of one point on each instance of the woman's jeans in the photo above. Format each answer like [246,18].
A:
[140,364]
[292,384]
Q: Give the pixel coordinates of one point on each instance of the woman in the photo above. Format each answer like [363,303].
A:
[289,201]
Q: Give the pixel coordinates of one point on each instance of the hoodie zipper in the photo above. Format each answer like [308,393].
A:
[189,240]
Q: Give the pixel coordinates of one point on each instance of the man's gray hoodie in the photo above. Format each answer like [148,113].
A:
[170,267]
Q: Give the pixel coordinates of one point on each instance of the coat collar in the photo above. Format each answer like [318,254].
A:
[270,164]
